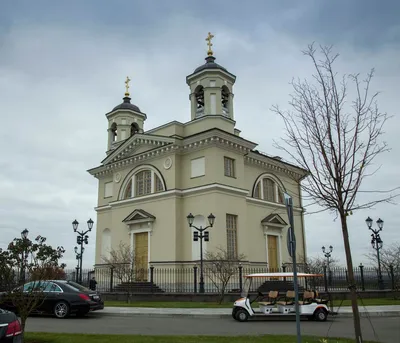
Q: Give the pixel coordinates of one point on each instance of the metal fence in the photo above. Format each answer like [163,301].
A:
[185,279]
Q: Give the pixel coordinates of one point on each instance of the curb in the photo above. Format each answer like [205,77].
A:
[205,315]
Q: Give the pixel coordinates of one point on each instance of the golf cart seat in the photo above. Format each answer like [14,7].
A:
[272,296]
[319,300]
[289,299]
[308,298]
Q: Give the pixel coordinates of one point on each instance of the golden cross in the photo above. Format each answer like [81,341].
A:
[127,86]
[208,39]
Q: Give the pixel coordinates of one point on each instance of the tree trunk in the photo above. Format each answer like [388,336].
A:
[352,282]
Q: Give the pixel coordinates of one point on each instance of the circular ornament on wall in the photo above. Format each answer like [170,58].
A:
[168,163]
[117,177]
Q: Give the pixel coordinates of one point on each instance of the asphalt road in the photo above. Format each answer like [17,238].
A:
[387,328]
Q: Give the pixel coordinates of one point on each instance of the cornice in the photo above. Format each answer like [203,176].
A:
[176,193]
[271,204]
[265,162]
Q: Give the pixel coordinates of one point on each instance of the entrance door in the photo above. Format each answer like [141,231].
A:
[272,253]
[141,255]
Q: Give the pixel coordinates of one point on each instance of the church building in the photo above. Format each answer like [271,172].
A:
[151,180]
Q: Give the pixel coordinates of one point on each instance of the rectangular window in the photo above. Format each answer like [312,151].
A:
[143,183]
[231,235]
[108,189]
[198,167]
[229,167]
[269,190]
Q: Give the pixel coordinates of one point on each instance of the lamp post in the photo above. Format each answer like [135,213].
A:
[377,244]
[202,234]
[78,258]
[24,253]
[81,238]
[328,255]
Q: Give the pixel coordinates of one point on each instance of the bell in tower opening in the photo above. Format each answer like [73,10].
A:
[199,94]
[225,100]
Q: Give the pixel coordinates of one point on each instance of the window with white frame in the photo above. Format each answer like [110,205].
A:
[229,167]
[143,182]
[231,235]
[269,190]
[108,189]
[198,167]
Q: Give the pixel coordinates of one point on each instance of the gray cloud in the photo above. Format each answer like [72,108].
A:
[62,68]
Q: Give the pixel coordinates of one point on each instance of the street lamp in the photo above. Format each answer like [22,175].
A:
[377,243]
[24,255]
[202,234]
[328,255]
[78,257]
[81,238]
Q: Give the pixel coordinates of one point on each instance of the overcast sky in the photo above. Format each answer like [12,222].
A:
[63,66]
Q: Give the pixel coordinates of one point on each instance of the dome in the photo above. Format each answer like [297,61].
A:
[126,105]
[210,64]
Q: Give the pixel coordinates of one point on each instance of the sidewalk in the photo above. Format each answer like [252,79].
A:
[345,311]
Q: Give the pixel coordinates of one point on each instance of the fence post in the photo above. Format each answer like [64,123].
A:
[152,277]
[111,278]
[362,276]
[325,280]
[240,277]
[284,270]
[195,279]
[391,269]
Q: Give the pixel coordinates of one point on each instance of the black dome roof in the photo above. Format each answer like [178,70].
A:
[210,64]
[126,105]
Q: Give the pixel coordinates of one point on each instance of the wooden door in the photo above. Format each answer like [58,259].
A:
[272,253]
[141,255]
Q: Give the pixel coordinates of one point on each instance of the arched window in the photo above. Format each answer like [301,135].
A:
[268,189]
[225,100]
[134,128]
[199,93]
[113,132]
[143,181]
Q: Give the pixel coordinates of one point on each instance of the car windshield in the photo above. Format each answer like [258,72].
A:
[77,287]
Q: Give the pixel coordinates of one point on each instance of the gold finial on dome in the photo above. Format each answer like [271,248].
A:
[208,39]
[127,86]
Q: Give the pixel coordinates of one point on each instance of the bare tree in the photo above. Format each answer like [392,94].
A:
[336,142]
[389,258]
[125,266]
[34,259]
[220,268]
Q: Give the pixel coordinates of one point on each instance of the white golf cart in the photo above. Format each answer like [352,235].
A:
[278,305]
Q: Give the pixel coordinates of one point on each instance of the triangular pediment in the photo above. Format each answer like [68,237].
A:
[139,215]
[137,144]
[274,219]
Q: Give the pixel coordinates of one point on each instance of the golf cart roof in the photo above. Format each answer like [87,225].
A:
[274,275]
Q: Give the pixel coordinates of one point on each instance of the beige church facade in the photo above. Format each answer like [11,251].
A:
[150,180]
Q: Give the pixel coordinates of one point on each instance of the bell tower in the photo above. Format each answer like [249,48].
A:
[124,121]
[211,88]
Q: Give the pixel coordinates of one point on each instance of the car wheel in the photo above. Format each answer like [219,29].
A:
[61,309]
[320,315]
[242,315]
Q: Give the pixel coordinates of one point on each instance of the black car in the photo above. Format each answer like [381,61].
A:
[10,327]
[59,297]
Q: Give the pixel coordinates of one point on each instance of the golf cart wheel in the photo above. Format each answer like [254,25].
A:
[242,315]
[320,315]
[61,309]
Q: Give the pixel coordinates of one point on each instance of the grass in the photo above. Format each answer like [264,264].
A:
[195,304]
[79,338]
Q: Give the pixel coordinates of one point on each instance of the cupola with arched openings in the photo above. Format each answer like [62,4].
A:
[211,88]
